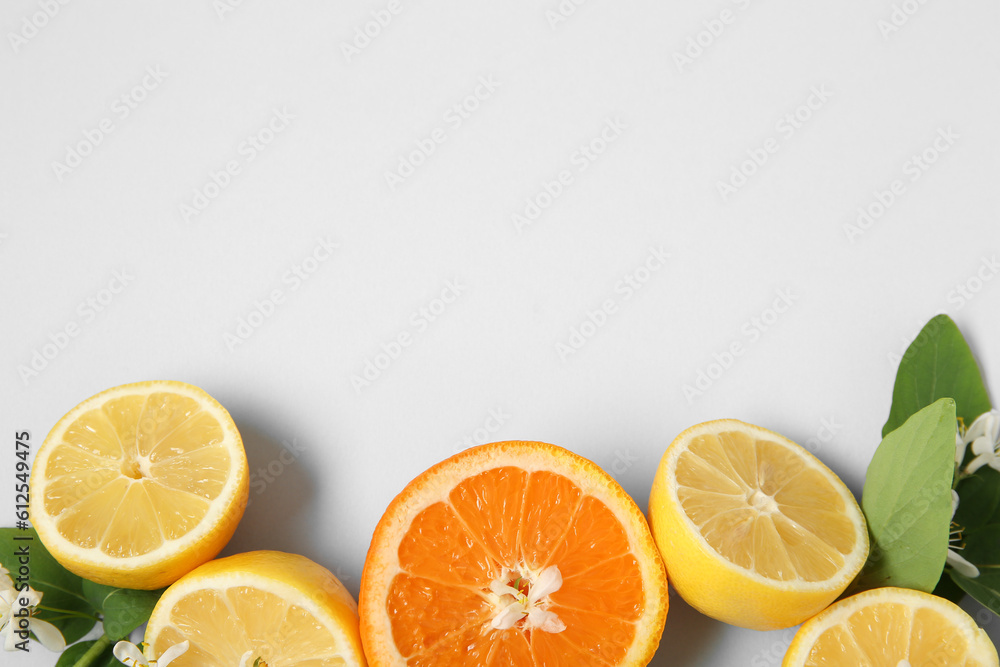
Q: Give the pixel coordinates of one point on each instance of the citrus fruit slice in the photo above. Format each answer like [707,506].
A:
[279,607]
[754,530]
[139,484]
[512,553]
[891,627]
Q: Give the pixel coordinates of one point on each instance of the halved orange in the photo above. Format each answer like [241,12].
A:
[512,553]
[140,484]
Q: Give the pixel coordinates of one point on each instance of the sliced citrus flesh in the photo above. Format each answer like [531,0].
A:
[512,553]
[891,627]
[282,608]
[140,484]
[754,530]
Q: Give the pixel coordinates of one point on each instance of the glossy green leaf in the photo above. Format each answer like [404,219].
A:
[907,500]
[124,609]
[978,516]
[978,520]
[947,588]
[937,364]
[63,603]
[985,588]
[105,658]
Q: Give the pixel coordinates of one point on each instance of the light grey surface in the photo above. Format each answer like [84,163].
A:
[485,362]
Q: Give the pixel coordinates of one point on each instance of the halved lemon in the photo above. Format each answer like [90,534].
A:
[282,608]
[512,553]
[139,484]
[754,530]
[891,627]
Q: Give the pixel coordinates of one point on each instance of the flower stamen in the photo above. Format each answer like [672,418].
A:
[526,598]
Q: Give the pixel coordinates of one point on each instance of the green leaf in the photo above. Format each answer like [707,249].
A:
[938,364]
[124,609]
[62,591]
[105,658]
[73,653]
[907,501]
[978,516]
[947,588]
[985,588]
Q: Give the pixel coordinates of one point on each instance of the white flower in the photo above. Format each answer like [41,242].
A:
[518,605]
[984,437]
[960,565]
[130,654]
[17,609]
[6,583]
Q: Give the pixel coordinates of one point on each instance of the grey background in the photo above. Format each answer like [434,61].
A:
[200,78]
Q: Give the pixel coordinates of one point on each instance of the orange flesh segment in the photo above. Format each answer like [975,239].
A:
[797,531]
[509,519]
[120,481]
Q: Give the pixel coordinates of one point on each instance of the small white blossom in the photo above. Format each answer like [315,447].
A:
[6,583]
[984,438]
[17,616]
[130,654]
[960,565]
[518,605]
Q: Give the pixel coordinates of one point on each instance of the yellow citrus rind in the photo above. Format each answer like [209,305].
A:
[96,501]
[281,607]
[716,585]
